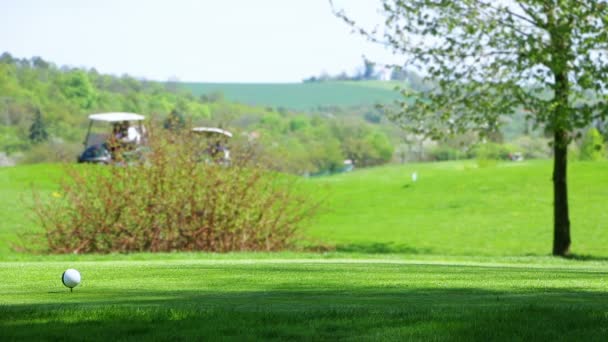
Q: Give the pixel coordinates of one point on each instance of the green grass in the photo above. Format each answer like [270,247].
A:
[455,208]
[292,298]
[302,96]
[16,199]
[462,254]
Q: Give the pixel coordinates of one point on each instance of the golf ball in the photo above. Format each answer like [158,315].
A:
[70,278]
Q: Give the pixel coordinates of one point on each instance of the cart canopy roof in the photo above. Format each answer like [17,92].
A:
[116,117]
[212,130]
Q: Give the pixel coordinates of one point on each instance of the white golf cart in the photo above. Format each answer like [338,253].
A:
[216,140]
[122,143]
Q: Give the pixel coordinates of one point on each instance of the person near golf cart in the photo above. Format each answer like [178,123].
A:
[125,133]
[123,142]
[124,138]
[218,143]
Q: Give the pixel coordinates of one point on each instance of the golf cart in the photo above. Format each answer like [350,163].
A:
[216,140]
[122,143]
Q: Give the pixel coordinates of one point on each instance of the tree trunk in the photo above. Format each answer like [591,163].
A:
[561,218]
[560,57]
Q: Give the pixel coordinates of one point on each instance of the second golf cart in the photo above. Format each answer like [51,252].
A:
[217,148]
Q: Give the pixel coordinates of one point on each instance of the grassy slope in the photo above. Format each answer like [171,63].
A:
[16,188]
[305,299]
[454,208]
[302,96]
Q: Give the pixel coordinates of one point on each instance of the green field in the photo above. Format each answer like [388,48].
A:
[254,297]
[462,254]
[454,208]
[301,96]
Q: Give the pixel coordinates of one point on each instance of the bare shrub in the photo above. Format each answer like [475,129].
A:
[52,151]
[176,199]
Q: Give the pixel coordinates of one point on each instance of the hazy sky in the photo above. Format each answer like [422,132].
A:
[204,40]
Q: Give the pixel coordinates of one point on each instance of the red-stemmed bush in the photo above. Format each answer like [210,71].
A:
[175,198]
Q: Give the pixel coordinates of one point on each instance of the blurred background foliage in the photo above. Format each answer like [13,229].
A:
[44,110]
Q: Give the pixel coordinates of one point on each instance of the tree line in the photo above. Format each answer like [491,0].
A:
[44,109]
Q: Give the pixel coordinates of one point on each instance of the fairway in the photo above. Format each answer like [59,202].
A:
[290,297]
[455,208]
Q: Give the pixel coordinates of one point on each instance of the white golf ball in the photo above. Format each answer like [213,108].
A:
[70,278]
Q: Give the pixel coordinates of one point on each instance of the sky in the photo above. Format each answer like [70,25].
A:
[244,41]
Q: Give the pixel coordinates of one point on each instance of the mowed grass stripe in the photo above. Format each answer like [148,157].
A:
[248,258]
[302,300]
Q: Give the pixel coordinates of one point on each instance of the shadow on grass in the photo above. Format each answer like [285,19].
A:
[381,248]
[393,313]
[585,257]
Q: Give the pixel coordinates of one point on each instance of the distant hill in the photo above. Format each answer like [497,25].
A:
[302,96]
[310,96]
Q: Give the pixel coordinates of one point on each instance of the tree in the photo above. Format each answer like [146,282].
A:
[7,58]
[175,120]
[491,58]
[592,147]
[38,131]
[369,70]
[77,88]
